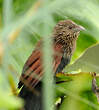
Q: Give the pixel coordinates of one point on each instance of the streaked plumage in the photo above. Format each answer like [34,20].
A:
[64,38]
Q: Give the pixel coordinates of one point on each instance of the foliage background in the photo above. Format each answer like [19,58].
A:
[24,22]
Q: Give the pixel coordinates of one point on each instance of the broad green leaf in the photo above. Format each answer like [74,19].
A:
[80,81]
[87,62]
[77,91]
[84,41]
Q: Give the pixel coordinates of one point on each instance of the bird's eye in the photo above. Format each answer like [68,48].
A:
[70,27]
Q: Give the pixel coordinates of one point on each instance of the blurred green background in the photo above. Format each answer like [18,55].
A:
[22,24]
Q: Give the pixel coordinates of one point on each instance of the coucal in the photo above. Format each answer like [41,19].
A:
[64,38]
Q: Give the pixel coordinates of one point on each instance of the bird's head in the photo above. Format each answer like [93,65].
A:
[67,29]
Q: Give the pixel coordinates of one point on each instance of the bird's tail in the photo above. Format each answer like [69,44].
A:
[32,100]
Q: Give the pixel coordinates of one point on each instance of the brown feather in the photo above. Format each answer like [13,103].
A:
[64,37]
[33,67]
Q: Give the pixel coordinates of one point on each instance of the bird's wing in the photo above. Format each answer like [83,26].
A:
[32,71]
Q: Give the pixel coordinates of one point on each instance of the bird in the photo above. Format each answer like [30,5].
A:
[64,37]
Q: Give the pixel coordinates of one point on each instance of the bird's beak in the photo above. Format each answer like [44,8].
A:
[79,28]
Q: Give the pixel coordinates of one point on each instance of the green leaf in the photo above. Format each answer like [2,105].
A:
[8,101]
[88,61]
[84,41]
[78,92]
